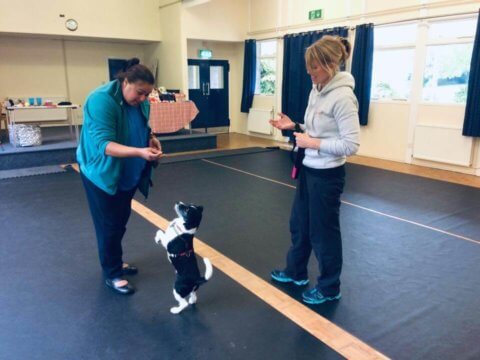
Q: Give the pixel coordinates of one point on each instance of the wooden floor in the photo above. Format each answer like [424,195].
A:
[239,141]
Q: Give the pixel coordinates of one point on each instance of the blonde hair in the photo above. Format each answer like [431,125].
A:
[330,52]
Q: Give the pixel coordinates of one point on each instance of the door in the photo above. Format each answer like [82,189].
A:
[208,89]
[115,66]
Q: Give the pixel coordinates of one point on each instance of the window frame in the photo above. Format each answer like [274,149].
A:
[257,67]
[399,46]
[441,42]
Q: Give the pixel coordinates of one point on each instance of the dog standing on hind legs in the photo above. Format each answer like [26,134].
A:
[177,239]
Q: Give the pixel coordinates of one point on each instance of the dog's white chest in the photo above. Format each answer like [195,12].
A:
[174,229]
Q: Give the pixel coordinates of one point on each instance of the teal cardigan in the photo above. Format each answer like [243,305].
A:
[105,120]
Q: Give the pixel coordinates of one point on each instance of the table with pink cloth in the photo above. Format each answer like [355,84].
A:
[169,117]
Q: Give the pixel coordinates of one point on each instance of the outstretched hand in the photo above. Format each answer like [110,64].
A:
[150,154]
[283,122]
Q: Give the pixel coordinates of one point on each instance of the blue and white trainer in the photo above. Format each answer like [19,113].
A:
[282,277]
[315,297]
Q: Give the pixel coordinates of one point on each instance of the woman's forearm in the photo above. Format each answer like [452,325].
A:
[117,150]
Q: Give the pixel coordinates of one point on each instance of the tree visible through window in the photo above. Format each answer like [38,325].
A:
[390,80]
[447,65]
[266,67]
[393,60]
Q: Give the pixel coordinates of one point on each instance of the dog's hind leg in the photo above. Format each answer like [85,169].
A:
[192,299]
[182,303]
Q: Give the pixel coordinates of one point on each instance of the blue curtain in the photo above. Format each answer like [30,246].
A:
[296,82]
[249,75]
[471,124]
[362,68]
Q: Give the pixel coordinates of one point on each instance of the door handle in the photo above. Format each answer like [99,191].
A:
[203,89]
[208,89]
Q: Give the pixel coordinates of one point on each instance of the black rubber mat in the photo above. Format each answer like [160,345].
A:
[409,291]
[32,171]
[446,206]
[213,154]
[54,304]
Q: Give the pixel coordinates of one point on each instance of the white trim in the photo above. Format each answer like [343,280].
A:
[441,126]
[431,103]
[416,88]
[395,47]
[391,101]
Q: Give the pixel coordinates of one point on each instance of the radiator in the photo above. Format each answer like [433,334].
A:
[442,144]
[258,121]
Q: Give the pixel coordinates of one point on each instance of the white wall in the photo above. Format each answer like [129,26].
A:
[385,136]
[220,20]
[113,19]
[33,67]
[86,64]
[172,51]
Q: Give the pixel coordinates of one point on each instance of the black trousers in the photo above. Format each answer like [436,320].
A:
[315,224]
[110,215]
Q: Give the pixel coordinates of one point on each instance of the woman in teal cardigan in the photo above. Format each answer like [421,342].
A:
[115,154]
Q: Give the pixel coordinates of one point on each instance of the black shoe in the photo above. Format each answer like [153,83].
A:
[124,290]
[130,270]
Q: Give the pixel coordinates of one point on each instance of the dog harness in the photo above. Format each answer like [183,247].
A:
[185,253]
[175,230]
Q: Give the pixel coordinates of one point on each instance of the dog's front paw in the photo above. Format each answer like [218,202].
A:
[159,236]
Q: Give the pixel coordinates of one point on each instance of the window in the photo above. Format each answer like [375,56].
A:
[395,35]
[392,74]
[266,67]
[393,60]
[194,77]
[447,65]
[452,29]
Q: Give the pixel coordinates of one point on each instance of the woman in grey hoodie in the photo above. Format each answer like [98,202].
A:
[329,134]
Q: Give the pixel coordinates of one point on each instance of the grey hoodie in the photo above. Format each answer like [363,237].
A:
[332,117]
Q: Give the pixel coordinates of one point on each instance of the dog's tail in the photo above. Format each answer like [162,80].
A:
[208,268]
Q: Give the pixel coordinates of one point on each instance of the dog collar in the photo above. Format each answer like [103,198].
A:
[179,228]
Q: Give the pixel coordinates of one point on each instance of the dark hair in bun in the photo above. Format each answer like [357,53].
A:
[133,71]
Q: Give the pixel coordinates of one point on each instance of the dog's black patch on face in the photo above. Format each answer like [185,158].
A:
[191,214]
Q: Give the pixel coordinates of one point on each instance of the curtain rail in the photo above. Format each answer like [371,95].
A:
[386,23]
[371,15]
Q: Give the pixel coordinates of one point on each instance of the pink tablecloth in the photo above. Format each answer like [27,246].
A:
[170,117]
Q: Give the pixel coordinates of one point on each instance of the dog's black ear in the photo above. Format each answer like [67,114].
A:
[200,208]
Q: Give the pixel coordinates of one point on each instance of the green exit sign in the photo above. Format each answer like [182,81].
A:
[205,53]
[315,14]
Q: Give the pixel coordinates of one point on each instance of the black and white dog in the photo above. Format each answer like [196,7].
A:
[178,241]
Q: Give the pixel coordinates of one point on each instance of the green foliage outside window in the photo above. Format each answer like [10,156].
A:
[267,76]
